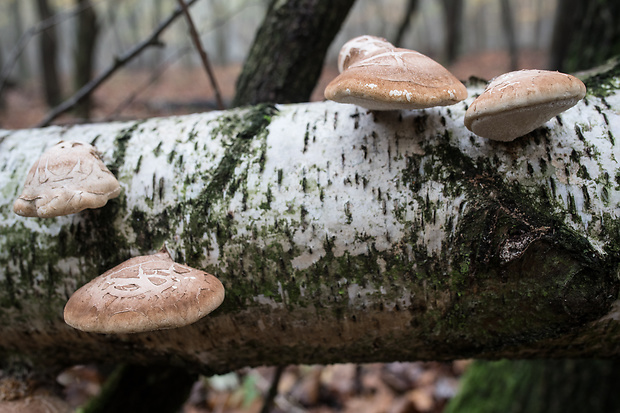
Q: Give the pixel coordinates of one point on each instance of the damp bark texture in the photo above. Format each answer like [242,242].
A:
[287,55]
[340,235]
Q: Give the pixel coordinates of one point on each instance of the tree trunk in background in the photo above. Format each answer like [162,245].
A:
[540,23]
[112,20]
[509,32]
[412,8]
[87,31]
[478,26]
[23,68]
[567,20]
[221,34]
[340,234]
[453,14]
[157,54]
[586,33]
[539,386]
[48,49]
[133,32]
[1,64]
[287,55]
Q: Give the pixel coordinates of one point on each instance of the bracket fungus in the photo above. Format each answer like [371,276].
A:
[378,76]
[145,293]
[68,178]
[516,103]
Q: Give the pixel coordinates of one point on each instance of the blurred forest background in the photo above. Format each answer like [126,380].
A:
[50,48]
[140,54]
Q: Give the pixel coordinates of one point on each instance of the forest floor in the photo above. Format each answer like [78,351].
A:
[371,388]
[410,387]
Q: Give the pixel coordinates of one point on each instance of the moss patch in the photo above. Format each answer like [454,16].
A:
[605,80]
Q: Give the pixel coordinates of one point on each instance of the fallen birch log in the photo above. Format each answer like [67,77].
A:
[340,235]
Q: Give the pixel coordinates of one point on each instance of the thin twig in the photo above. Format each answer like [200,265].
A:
[273,390]
[87,89]
[213,25]
[25,37]
[203,55]
[155,75]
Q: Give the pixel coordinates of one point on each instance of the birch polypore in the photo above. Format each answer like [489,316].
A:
[376,75]
[339,235]
[68,178]
[145,293]
[516,103]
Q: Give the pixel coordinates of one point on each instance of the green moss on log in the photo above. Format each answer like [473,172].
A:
[538,386]
[605,80]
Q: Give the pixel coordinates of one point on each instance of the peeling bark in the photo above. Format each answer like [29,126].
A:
[341,235]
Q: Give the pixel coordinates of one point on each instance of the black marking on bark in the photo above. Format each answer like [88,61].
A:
[356,121]
[94,141]
[306,138]
[579,133]
[157,149]
[161,188]
[138,165]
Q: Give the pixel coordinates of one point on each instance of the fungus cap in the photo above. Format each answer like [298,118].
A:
[516,103]
[359,48]
[378,76]
[145,293]
[68,178]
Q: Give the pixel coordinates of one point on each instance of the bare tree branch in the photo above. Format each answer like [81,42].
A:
[165,65]
[203,55]
[155,75]
[152,40]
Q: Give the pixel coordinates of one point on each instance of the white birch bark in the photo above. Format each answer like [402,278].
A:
[339,234]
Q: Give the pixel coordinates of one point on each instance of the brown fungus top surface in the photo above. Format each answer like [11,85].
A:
[150,292]
[68,178]
[360,48]
[378,76]
[516,103]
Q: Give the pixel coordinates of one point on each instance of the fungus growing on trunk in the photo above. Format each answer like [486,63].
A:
[516,103]
[378,76]
[68,178]
[149,292]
